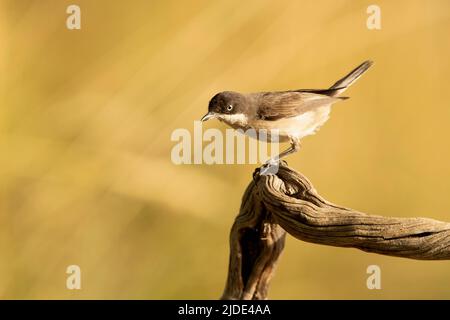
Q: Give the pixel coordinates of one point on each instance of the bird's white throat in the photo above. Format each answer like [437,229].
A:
[238,119]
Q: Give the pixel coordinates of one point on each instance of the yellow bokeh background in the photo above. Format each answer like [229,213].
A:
[86,117]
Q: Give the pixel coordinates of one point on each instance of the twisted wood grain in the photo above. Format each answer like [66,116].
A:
[288,202]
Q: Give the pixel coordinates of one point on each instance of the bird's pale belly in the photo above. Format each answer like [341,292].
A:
[294,127]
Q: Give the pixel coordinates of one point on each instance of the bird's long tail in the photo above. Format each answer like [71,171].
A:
[342,84]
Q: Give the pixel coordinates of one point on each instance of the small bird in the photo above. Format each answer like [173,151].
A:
[295,114]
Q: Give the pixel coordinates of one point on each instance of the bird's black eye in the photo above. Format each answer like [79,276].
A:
[230,107]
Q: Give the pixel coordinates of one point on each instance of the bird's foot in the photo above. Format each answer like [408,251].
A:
[270,167]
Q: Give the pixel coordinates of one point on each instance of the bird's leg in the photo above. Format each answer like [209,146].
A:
[271,165]
[295,146]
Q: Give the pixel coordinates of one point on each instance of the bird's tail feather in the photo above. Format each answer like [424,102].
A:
[342,84]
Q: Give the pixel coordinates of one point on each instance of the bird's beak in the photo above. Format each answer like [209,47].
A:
[208,116]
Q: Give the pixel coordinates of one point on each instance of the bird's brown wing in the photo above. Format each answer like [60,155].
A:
[277,105]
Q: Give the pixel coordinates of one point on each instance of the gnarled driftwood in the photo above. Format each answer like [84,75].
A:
[287,202]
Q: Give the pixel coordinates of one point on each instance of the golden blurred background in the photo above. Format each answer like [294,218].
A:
[85,123]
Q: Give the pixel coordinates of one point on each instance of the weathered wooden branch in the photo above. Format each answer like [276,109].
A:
[288,202]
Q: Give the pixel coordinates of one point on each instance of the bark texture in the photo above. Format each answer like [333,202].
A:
[287,202]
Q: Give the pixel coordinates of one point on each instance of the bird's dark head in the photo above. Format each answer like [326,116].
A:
[225,104]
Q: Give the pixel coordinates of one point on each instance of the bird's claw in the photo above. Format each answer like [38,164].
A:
[269,168]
